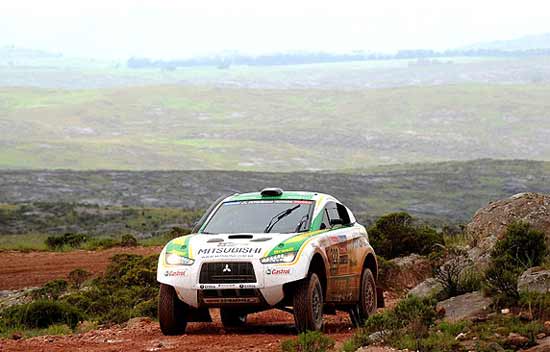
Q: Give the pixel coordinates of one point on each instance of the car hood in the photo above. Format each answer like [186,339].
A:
[229,246]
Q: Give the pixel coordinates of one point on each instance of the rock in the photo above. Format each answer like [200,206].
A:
[494,347]
[543,346]
[427,288]
[461,337]
[17,335]
[516,340]
[466,306]
[134,322]
[404,273]
[505,311]
[534,280]
[541,336]
[547,327]
[494,219]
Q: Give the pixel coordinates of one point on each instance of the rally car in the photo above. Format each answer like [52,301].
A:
[302,252]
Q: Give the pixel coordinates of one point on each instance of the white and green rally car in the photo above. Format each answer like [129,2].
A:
[301,252]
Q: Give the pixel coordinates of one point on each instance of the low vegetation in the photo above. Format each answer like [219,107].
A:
[397,234]
[311,341]
[520,249]
[127,289]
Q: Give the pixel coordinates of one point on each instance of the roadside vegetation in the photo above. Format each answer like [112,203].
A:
[127,289]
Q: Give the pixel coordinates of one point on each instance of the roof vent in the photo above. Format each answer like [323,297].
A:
[271,192]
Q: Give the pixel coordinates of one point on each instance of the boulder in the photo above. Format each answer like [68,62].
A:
[516,340]
[494,219]
[466,306]
[534,280]
[427,288]
[404,273]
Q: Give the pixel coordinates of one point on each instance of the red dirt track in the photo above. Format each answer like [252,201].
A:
[263,332]
[19,269]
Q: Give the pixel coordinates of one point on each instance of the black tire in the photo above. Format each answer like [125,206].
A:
[308,304]
[232,318]
[172,311]
[367,299]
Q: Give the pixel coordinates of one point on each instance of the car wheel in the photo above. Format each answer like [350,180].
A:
[232,317]
[172,311]
[308,304]
[367,299]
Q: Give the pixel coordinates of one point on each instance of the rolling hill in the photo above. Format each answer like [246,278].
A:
[172,127]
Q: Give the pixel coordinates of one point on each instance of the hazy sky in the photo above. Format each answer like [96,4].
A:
[179,28]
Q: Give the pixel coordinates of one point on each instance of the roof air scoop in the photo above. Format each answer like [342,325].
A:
[271,192]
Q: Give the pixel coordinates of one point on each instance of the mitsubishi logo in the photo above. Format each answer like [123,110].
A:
[227,269]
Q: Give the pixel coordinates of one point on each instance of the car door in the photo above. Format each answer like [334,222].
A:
[342,278]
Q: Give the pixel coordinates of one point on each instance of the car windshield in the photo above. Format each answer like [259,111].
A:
[262,216]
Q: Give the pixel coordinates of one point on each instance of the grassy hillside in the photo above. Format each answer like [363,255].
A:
[172,127]
[449,192]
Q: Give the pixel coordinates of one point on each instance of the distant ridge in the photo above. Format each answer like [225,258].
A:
[528,42]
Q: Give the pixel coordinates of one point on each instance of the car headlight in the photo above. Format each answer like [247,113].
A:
[279,258]
[174,259]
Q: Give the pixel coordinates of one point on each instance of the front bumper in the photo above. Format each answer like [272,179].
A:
[266,291]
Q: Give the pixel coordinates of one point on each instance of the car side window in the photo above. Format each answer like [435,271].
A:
[325,223]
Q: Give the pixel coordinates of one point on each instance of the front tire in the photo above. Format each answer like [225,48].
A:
[232,318]
[367,299]
[308,304]
[172,311]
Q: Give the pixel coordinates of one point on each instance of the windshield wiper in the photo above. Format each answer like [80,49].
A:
[277,217]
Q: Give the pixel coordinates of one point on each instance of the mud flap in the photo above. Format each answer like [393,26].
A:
[380,298]
[201,315]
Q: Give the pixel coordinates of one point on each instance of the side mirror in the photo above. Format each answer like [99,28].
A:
[334,222]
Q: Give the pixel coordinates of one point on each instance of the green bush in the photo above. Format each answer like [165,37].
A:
[41,314]
[127,289]
[396,235]
[78,276]
[128,241]
[409,321]
[72,240]
[520,249]
[538,304]
[311,341]
[51,290]
[458,275]
[101,243]
[522,246]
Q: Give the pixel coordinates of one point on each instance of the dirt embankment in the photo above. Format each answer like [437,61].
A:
[19,270]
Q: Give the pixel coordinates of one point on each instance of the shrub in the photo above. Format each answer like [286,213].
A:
[127,289]
[78,276]
[51,290]
[538,304]
[396,235]
[522,246]
[410,320]
[128,241]
[520,249]
[311,341]
[101,243]
[72,240]
[41,314]
[458,275]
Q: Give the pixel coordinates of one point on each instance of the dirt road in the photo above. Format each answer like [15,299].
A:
[19,270]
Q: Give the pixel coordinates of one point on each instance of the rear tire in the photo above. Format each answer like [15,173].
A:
[172,311]
[367,299]
[308,304]
[232,318]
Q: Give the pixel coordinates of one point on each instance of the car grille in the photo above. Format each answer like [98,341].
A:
[227,273]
